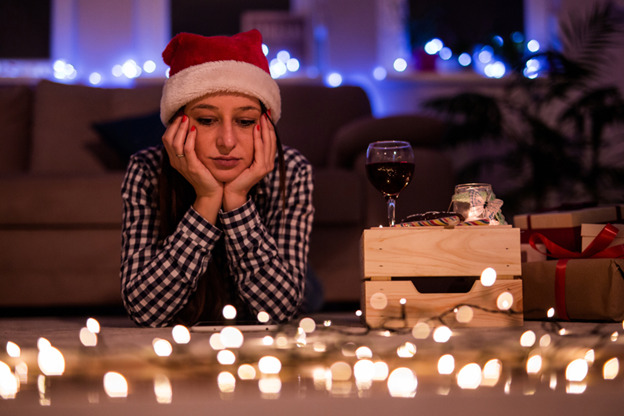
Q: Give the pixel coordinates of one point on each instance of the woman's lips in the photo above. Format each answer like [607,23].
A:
[225,162]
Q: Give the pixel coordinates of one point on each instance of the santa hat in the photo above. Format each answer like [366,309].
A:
[201,65]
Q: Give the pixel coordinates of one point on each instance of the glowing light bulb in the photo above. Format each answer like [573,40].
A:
[269,365]
[246,372]
[9,383]
[263,317]
[226,357]
[488,276]
[270,386]
[576,370]
[340,371]
[421,330]
[504,301]
[283,56]
[399,65]
[231,337]
[492,371]
[434,46]
[378,301]
[307,325]
[181,334]
[528,339]
[402,382]
[442,334]
[95,78]
[226,382]
[381,371]
[13,350]
[380,73]
[363,352]
[364,370]
[149,66]
[464,59]
[406,350]
[162,389]
[446,364]
[229,312]
[446,53]
[51,361]
[464,314]
[162,347]
[293,65]
[115,385]
[87,338]
[533,45]
[334,79]
[469,377]
[611,369]
[534,364]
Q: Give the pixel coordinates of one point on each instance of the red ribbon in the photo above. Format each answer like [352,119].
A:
[597,249]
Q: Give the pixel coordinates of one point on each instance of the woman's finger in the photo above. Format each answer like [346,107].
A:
[179,138]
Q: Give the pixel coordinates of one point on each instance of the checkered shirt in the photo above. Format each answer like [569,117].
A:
[266,246]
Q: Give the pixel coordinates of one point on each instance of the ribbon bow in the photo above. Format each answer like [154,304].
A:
[597,249]
[491,206]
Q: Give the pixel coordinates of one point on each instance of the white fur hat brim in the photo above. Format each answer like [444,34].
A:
[215,77]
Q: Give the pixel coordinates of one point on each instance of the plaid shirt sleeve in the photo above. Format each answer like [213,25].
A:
[157,279]
[268,253]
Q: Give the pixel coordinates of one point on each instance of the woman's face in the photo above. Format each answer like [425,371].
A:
[225,124]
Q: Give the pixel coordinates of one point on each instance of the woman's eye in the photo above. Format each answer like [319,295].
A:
[247,122]
[205,121]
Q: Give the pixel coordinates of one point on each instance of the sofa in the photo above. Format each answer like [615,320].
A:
[64,150]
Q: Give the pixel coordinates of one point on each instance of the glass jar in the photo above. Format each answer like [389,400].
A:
[470,200]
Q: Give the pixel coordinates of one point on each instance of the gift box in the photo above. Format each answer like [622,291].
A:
[564,227]
[590,231]
[586,289]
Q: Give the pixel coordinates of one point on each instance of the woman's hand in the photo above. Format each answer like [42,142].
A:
[235,193]
[179,143]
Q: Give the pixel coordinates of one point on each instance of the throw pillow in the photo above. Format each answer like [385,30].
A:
[127,136]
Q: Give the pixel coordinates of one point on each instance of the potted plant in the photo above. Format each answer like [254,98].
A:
[548,129]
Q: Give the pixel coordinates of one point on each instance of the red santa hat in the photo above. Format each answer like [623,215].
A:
[200,65]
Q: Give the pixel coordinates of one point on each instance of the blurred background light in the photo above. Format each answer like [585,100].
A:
[380,73]
[434,46]
[400,65]
[334,79]
[464,59]
[446,53]
[95,78]
[533,46]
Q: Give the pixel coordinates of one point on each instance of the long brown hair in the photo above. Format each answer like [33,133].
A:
[215,288]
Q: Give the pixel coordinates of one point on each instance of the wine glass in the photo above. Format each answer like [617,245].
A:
[389,167]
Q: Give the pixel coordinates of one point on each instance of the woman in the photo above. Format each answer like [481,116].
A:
[221,214]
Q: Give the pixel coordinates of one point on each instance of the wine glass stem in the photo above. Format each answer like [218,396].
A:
[391,211]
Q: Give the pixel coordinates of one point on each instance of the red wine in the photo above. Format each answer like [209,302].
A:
[390,177]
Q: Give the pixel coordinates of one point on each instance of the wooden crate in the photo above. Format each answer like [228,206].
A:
[393,256]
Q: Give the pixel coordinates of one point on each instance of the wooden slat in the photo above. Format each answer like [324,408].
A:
[436,251]
[423,306]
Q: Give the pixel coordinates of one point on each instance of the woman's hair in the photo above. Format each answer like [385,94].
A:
[176,195]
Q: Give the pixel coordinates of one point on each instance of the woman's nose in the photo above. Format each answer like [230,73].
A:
[226,140]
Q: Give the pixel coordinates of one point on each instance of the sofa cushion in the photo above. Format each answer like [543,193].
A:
[33,201]
[63,122]
[312,114]
[338,197]
[127,136]
[353,138]
[15,125]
